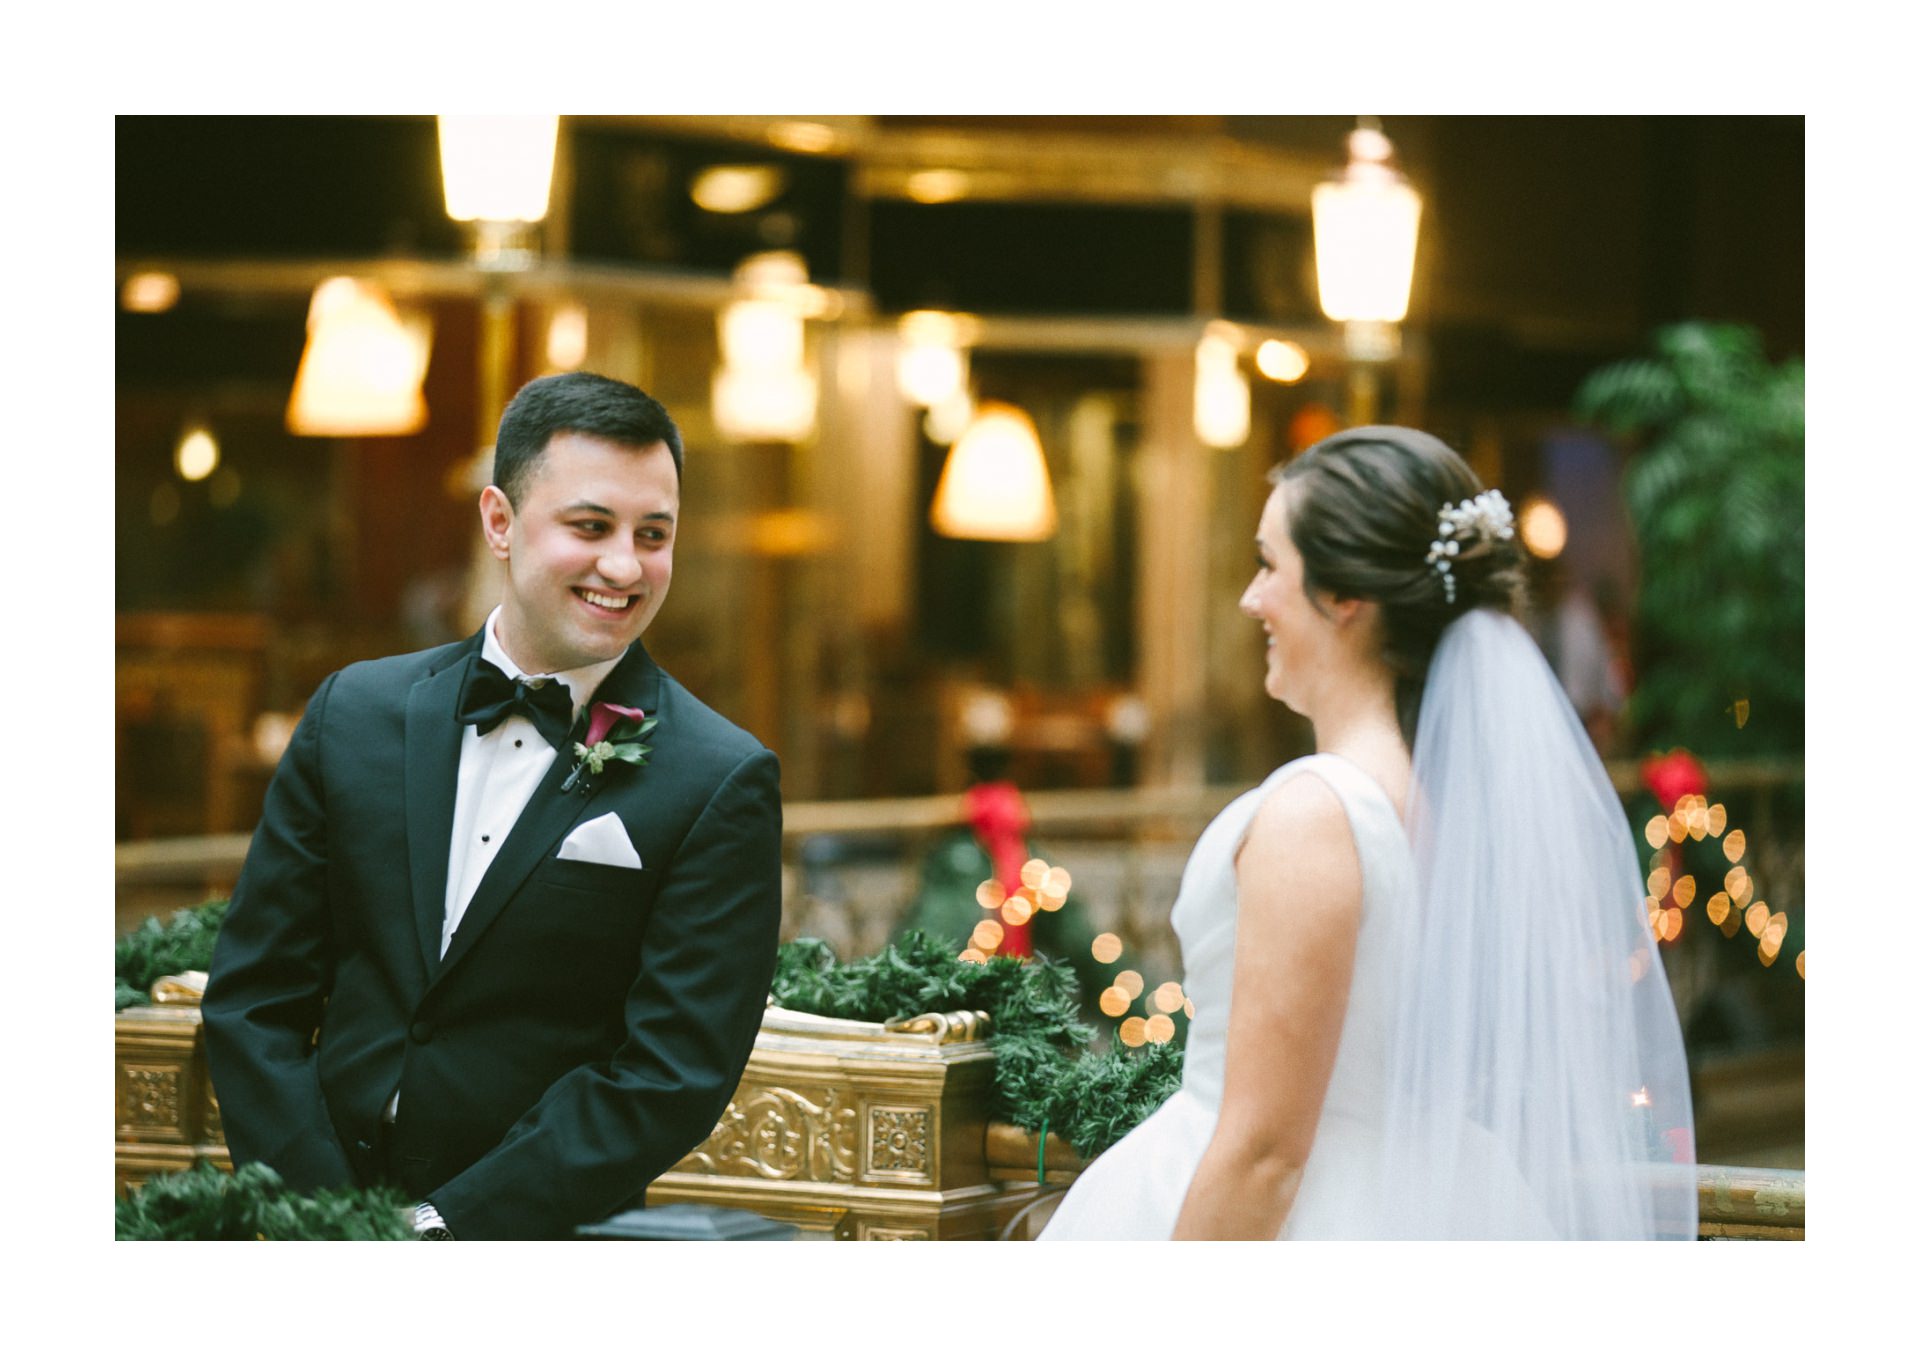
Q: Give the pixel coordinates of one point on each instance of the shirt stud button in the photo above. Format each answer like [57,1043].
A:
[486,838]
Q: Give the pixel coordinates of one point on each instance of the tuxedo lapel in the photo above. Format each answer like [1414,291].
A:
[432,778]
[549,812]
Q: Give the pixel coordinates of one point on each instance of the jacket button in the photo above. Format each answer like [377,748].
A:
[421,1032]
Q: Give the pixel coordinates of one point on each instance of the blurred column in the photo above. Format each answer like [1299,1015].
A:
[1175,483]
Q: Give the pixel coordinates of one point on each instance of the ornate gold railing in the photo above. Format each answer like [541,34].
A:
[853,1130]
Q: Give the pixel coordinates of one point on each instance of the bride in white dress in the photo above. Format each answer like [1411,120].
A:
[1427,1001]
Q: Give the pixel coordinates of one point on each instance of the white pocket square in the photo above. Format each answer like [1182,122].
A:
[604,841]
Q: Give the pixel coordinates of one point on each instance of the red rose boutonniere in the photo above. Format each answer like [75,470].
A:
[613,736]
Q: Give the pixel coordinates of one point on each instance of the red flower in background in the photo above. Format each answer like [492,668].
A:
[999,818]
[1672,775]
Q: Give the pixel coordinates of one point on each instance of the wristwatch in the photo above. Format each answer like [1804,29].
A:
[428,1226]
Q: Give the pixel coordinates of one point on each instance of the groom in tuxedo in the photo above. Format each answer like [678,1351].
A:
[461,957]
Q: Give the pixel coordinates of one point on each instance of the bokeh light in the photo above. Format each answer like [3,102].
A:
[1281,360]
[1735,845]
[1114,1001]
[1133,1031]
[1659,881]
[1683,891]
[1168,997]
[991,894]
[977,957]
[1033,873]
[1718,907]
[1757,917]
[988,934]
[1739,884]
[197,454]
[1543,527]
[1016,911]
[1657,832]
[1159,1028]
[1717,820]
[1106,948]
[1130,981]
[150,293]
[1800,964]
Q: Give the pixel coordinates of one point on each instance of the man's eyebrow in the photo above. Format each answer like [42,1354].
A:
[588,506]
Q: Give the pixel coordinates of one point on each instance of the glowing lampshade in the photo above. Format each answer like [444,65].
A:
[1366,227]
[1222,408]
[932,366]
[362,370]
[995,485]
[763,391]
[497,168]
[764,406]
[759,336]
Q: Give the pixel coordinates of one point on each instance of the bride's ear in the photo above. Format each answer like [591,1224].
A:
[1347,612]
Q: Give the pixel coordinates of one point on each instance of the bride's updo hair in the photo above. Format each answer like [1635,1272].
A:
[1363,509]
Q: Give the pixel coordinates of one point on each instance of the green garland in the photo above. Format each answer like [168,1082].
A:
[1042,1076]
[252,1203]
[154,950]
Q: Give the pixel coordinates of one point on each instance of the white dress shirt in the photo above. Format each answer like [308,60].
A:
[498,773]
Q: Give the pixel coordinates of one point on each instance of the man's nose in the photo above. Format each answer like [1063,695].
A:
[620,566]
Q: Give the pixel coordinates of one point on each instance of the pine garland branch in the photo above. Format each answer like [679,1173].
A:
[1042,1075]
[155,950]
[253,1203]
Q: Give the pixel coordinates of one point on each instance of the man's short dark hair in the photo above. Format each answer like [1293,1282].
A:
[575,402]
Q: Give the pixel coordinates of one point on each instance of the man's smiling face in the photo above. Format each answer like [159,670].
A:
[589,550]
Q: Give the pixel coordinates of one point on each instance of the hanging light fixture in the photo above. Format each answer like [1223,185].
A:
[763,391]
[1222,404]
[497,173]
[497,168]
[995,485]
[362,370]
[1366,227]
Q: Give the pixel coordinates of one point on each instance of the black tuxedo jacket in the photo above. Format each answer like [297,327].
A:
[588,1022]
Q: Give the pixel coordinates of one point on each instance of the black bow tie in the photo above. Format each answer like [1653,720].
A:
[489,697]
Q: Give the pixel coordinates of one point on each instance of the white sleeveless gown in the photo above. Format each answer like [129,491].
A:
[1135,1189]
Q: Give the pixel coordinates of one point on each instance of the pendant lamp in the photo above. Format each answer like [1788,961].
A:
[995,485]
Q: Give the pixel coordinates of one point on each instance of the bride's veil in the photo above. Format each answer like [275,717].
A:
[1536,1083]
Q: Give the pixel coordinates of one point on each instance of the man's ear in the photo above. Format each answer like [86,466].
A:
[496,520]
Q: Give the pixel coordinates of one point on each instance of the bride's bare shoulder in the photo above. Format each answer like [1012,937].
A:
[1301,818]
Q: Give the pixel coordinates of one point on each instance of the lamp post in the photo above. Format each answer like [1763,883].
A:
[1366,227]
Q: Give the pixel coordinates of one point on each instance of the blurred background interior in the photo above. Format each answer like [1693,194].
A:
[1115,327]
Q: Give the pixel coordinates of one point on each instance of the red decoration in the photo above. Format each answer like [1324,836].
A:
[999,818]
[1672,775]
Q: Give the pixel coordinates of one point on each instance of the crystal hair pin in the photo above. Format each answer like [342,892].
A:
[1487,516]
